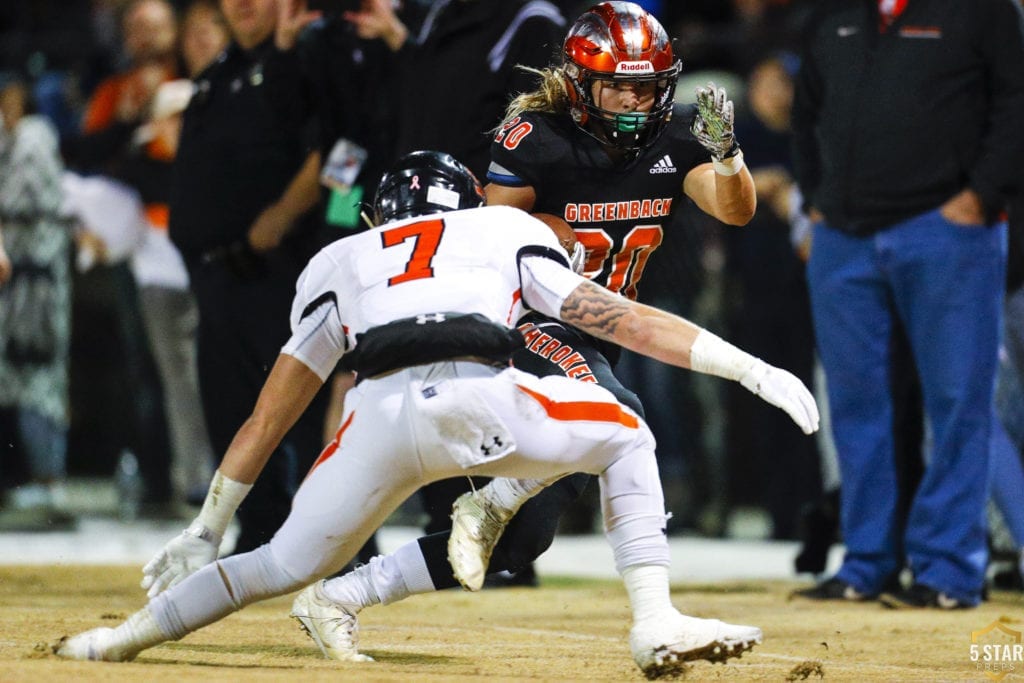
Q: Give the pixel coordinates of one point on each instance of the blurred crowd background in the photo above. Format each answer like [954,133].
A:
[731,465]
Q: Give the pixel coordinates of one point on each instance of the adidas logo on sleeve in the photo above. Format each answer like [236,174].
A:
[663,165]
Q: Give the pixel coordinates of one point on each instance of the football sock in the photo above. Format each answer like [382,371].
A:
[414,576]
[220,588]
[648,589]
[385,579]
[354,588]
[634,511]
[139,632]
[508,495]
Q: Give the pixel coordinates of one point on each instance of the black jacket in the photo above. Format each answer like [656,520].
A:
[347,82]
[456,77]
[245,134]
[890,125]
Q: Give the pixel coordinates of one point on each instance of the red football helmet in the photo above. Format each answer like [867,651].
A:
[619,41]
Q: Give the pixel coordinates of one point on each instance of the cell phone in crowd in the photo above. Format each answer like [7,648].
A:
[343,165]
[339,174]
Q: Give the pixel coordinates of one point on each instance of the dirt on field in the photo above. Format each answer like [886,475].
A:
[563,631]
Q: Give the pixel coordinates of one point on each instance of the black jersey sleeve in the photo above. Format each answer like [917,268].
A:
[523,149]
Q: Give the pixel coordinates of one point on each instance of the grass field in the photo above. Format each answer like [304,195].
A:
[567,630]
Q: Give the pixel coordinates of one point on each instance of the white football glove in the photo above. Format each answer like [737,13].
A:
[713,125]
[783,390]
[189,551]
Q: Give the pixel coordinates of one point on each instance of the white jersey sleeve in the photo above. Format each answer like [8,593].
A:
[546,283]
[318,339]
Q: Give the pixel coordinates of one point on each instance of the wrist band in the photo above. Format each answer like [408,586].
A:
[204,533]
[729,166]
[223,498]
[713,355]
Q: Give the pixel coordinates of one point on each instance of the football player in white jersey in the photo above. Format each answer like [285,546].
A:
[601,145]
[426,305]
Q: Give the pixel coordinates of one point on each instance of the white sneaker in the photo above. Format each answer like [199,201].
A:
[333,626]
[663,644]
[97,645]
[477,524]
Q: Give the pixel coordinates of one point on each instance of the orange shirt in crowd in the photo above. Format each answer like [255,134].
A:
[109,94]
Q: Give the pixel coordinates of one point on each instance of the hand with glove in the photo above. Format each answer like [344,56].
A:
[715,356]
[783,390]
[189,551]
[196,546]
[713,127]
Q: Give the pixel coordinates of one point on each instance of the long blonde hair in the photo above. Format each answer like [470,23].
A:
[550,96]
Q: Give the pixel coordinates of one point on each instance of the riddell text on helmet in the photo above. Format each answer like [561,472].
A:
[642,67]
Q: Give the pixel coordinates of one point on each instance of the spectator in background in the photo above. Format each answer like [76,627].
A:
[455,72]
[204,35]
[117,109]
[763,27]
[168,309]
[1008,437]
[735,34]
[244,180]
[347,83]
[771,313]
[120,102]
[35,310]
[907,143]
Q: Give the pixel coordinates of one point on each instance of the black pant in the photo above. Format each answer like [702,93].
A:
[242,325]
[532,529]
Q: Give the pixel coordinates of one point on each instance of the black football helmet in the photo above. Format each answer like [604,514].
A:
[619,41]
[425,182]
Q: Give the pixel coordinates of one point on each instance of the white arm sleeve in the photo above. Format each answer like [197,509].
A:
[318,339]
[317,342]
[546,283]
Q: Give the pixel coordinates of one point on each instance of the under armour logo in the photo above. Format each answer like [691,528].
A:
[429,318]
[414,184]
[496,443]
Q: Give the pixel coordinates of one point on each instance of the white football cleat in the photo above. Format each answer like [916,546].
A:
[663,644]
[477,524]
[333,626]
[97,645]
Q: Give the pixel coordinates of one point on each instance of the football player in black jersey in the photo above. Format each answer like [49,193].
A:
[602,145]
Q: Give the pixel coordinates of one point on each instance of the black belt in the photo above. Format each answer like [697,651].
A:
[430,338]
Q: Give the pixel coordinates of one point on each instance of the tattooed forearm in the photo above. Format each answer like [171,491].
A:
[594,310]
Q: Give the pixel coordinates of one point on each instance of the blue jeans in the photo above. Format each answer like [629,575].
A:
[1008,431]
[945,284]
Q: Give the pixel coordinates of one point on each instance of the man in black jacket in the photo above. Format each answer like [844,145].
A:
[456,68]
[244,180]
[454,73]
[908,141]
